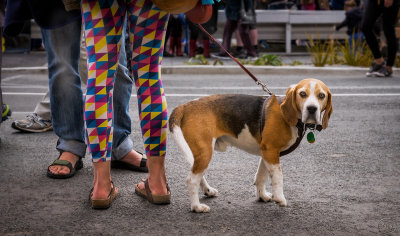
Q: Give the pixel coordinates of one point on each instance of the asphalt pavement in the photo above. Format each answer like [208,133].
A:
[346,183]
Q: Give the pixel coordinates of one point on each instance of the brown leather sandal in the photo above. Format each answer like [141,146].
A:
[117,164]
[104,203]
[153,198]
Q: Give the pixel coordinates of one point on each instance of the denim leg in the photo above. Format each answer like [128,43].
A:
[122,144]
[66,98]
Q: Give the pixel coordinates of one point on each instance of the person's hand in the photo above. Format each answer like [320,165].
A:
[388,3]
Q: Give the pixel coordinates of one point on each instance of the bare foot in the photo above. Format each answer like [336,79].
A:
[157,178]
[63,170]
[101,190]
[157,186]
[133,158]
[102,180]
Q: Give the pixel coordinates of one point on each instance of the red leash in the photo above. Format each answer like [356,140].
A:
[258,82]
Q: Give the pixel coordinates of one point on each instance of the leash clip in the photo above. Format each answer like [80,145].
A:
[264,87]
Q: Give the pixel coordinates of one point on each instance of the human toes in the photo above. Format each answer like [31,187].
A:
[141,185]
[59,170]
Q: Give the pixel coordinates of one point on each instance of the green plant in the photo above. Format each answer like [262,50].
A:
[244,61]
[319,51]
[296,63]
[268,59]
[332,50]
[197,60]
[397,61]
[218,61]
[356,53]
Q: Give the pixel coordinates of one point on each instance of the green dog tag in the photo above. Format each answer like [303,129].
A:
[310,137]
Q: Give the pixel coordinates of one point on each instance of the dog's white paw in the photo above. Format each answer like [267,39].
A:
[264,196]
[200,208]
[281,200]
[211,192]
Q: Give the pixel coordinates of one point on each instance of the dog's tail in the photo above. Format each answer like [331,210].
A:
[175,118]
[176,131]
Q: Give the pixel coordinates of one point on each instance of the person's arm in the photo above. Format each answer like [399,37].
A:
[341,25]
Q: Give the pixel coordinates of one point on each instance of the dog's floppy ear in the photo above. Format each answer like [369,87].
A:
[289,107]
[328,111]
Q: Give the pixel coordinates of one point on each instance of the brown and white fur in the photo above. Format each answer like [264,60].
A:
[218,121]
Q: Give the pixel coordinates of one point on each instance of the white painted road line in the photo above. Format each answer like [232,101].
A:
[203,95]
[219,88]
[33,68]
[275,88]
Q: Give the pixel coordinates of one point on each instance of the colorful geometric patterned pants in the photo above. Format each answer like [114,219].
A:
[103,22]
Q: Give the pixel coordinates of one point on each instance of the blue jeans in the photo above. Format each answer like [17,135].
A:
[66,97]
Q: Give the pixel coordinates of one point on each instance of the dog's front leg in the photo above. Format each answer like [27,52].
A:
[260,183]
[271,160]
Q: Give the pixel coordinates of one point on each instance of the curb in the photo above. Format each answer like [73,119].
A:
[277,70]
[233,69]
[26,69]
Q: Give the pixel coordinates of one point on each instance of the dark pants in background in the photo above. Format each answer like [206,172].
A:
[244,31]
[389,17]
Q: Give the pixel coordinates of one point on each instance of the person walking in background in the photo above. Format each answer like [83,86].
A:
[389,10]
[233,21]
[195,33]
[240,52]
[175,36]
[352,21]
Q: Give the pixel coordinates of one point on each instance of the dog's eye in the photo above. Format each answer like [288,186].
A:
[321,96]
[303,94]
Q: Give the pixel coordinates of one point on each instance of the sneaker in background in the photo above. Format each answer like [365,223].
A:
[6,112]
[378,70]
[221,56]
[388,73]
[243,55]
[33,123]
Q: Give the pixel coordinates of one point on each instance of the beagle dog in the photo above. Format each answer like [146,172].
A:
[269,127]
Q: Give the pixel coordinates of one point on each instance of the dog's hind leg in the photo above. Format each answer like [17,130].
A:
[260,183]
[202,152]
[193,183]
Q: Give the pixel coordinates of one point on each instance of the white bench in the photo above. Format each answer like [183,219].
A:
[288,25]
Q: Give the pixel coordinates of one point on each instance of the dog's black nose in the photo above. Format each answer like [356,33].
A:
[312,109]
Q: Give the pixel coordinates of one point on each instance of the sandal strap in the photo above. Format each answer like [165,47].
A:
[59,162]
[148,191]
[143,162]
[112,189]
